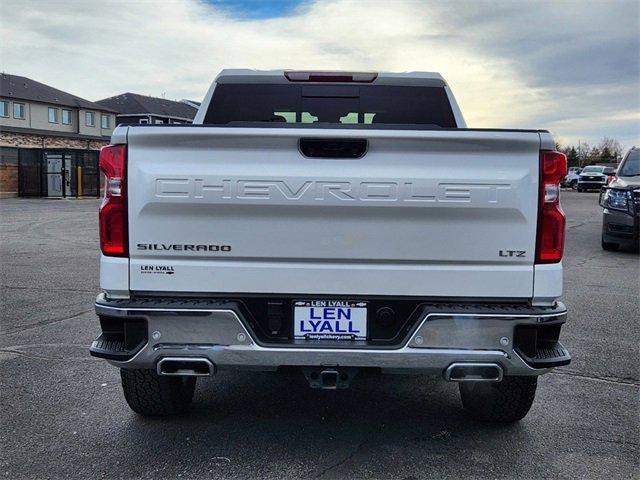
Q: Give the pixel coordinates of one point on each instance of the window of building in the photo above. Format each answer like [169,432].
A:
[104,121]
[18,110]
[53,115]
[144,120]
[66,117]
[8,156]
[158,121]
[89,119]
[4,109]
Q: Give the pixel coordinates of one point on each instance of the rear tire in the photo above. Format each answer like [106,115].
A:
[501,402]
[150,394]
[609,247]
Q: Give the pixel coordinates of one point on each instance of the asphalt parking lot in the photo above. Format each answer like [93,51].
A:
[63,414]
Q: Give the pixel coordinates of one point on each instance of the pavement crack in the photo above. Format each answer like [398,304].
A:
[24,354]
[15,350]
[43,357]
[586,260]
[614,441]
[16,287]
[28,355]
[337,464]
[583,222]
[44,322]
[616,380]
[569,227]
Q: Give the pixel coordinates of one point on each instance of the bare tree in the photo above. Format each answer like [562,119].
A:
[583,153]
[610,148]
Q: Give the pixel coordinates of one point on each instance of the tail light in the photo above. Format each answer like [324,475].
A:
[551,220]
[113,211]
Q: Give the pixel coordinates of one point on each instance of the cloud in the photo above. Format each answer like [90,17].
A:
[564,66]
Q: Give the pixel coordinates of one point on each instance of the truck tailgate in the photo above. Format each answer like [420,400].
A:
[439,213]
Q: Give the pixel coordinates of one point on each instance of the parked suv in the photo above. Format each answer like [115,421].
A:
[571,179]
[621,202]
[594,177]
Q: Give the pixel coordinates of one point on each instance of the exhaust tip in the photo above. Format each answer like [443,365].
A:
[185,366]
[473,372]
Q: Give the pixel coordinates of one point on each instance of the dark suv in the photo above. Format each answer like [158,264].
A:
[621,202]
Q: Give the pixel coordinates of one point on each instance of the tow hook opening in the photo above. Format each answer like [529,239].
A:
[473,372]
[329,378]
[188,366]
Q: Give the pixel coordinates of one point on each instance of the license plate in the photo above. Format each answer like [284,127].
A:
[330,320]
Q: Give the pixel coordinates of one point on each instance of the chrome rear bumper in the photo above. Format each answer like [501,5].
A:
[219,335]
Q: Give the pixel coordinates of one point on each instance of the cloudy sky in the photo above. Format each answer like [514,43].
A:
[570,67]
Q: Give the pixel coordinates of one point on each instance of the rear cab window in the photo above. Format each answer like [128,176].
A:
[335,105]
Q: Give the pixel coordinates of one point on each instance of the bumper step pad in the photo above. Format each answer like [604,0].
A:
[103,347]
[548,355]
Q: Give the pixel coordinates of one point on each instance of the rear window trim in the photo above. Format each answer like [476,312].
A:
[332,126]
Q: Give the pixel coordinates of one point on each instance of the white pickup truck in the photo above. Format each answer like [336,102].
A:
[337,223]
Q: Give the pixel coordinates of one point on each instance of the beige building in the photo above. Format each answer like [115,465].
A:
[49,139]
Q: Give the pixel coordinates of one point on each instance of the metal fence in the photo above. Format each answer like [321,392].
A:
[58,173]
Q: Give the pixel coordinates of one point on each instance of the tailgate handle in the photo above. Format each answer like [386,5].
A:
[333,147]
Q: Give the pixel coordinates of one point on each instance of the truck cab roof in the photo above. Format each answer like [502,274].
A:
[245,75]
